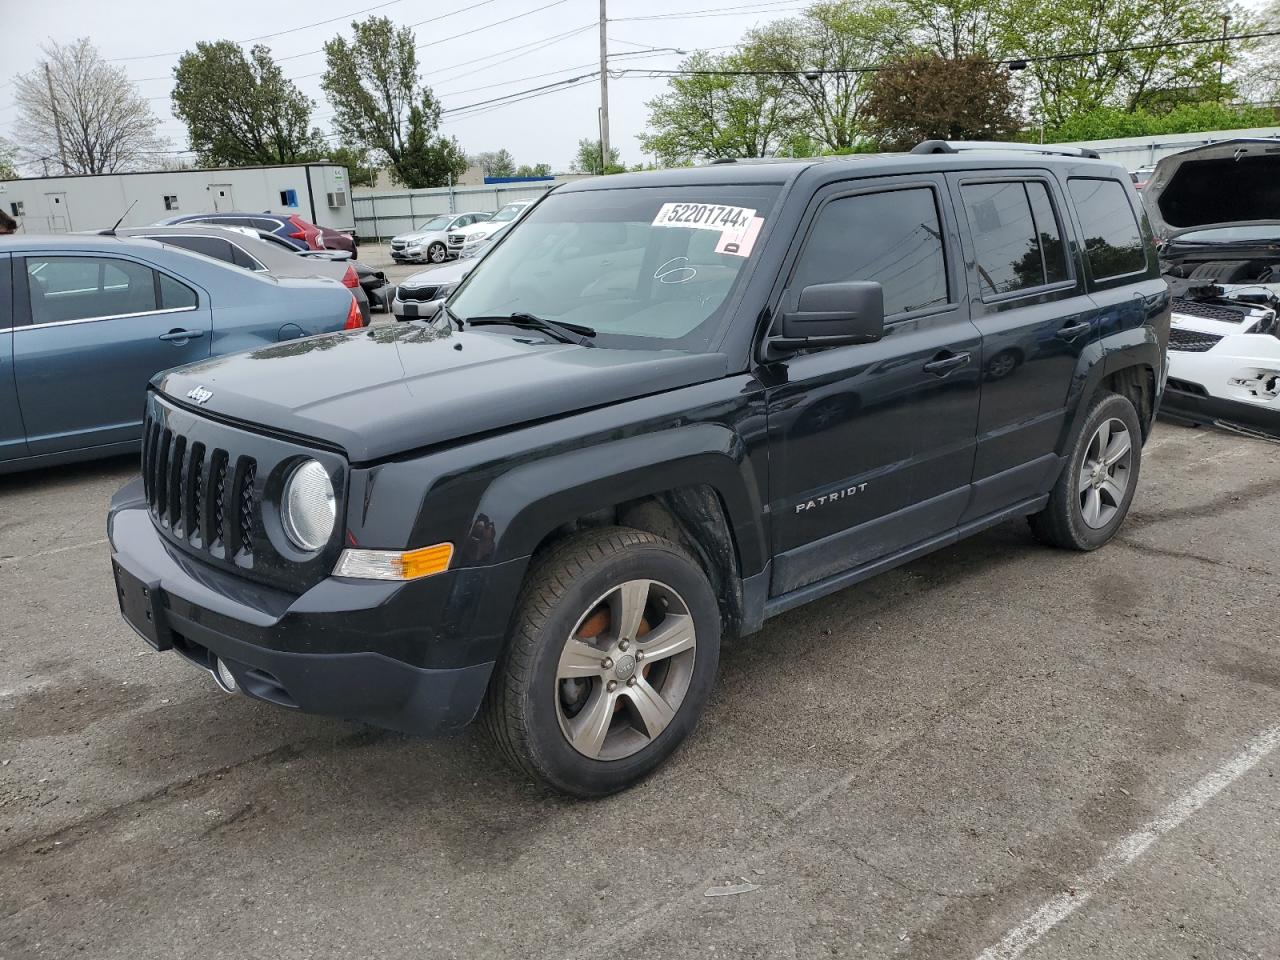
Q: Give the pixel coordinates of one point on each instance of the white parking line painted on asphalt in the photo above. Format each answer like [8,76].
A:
[46,553]
[1129,849]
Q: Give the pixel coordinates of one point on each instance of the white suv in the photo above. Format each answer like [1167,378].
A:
[430,240]
[467,238]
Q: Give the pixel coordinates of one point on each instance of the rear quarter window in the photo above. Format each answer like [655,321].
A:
[1112,238]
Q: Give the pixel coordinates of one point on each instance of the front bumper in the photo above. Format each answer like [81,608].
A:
[412,656]
[1196,406]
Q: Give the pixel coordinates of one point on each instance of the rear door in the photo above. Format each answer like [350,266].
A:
[1035,316]
[872,446]
[95,329]
[13,439]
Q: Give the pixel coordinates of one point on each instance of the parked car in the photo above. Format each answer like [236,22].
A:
[416,294]
[1217,209]
[1140,177]
[373,282]
[290,227]
[668,406]
[85,321]
[241,247]
[467,237]
[429,241]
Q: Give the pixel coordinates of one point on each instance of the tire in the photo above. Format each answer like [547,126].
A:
[548,686]
[437,253]
[1090,500]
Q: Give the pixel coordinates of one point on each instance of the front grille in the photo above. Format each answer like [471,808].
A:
[418,294]
[1192,341]
[192,491]
[455,239]
[1210,311]
[398,244]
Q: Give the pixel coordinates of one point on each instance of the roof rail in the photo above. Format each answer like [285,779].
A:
[958,146]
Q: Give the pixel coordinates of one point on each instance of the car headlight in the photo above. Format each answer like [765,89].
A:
[309,508]
[476,237]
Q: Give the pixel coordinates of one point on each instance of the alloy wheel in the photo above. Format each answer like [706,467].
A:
[625,669]
[1105,473]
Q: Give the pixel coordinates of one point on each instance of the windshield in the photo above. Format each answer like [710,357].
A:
[436,223]
[509,212]
[646,267]
[1257,234]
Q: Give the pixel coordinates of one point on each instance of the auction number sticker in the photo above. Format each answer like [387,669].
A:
[738,226]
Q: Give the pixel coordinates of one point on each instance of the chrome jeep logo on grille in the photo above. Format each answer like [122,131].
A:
[199,394]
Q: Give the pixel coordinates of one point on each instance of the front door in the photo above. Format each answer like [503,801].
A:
[871,446]
[13,437]
[59,215]
[223,200]
[1030,303]
[95,330]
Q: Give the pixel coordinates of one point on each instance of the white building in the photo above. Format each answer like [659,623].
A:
[1133,153]
[317,192]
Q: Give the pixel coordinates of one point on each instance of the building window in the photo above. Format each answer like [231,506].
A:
[288,198]
[170,202]
[16,208]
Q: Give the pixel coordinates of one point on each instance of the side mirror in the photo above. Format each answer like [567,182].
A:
[833,314]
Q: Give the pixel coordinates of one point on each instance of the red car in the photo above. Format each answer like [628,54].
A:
[290,227]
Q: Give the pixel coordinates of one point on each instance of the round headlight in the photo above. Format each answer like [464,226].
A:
[309,508]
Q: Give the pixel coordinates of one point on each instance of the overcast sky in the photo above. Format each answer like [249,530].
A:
[544,129]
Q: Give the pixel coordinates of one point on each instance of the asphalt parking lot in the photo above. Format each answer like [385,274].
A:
[999,750]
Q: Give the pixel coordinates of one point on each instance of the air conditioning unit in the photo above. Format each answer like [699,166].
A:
[337,199]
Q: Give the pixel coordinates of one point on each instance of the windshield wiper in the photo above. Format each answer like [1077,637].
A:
[564,332]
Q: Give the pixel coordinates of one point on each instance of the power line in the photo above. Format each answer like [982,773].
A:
[764,6]
[420,23]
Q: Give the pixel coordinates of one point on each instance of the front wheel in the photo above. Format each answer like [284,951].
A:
[437,253]
[1093,494]
[610,663]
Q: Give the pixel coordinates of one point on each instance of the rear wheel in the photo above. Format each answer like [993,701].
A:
[1093,494]
[610,663]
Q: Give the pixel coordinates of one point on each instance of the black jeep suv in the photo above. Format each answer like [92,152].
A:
[666,407]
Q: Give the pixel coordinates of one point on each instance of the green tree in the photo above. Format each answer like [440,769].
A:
[242,109]
[8,171]
[495,163]
[1154,77]
[1103,123]
[380,104]
[533,170]
[587,159]
[815,51]
[356,159]
[725,114]
[1260,73]
[927,96]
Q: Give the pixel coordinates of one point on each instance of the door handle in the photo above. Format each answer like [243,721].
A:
[1074,330]
[182,335]
[944,365]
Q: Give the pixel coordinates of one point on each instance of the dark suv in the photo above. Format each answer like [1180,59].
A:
[665,407]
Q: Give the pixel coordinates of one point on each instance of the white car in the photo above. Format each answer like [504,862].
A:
[468,238]
[1217,212]
[429,241]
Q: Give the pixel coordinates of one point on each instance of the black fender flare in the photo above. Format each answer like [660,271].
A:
[1139,347]
[530,501]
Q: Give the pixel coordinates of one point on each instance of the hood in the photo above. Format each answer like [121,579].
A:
[452,272]
[382,391]
[1228,184]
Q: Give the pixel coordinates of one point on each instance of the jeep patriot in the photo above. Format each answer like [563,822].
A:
[666,407]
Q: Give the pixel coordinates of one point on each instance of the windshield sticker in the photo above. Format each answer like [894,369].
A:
[703,216]
[740,242]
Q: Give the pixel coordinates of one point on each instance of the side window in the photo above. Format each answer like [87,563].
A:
[6,300]
[175,295]
[214,247]
[894,238]
[242,259]
[1112,238]
[258,223]
[80,288]
[1016,242]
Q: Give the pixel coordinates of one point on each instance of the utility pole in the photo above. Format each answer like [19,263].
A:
[604,90]
[57,121]
[1222,55]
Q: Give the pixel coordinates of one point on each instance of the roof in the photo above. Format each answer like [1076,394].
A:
[70,241]
[156,173]
[782,170]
